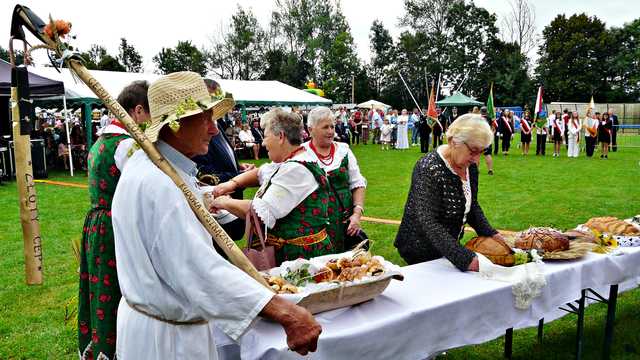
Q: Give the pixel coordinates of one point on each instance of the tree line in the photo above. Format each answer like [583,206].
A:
[457,41]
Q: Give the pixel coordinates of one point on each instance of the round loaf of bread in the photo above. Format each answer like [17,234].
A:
[494,249]
[541,238]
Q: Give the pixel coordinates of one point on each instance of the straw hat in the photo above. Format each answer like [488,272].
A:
[179,95]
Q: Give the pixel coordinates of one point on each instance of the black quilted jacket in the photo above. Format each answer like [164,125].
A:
[434,213]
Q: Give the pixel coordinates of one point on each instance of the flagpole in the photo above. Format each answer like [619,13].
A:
[409,90]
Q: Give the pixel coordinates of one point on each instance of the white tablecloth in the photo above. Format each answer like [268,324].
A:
[437,308]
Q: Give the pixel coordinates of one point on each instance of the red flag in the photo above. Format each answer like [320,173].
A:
[431,110]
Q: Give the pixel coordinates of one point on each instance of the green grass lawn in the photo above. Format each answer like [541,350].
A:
[547,191]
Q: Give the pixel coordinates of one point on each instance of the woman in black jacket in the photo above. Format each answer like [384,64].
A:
[443,197]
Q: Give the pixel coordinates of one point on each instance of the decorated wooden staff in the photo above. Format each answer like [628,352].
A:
[20,111]
[51,35]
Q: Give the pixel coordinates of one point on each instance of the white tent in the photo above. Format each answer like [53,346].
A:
[269,92]
[373,104]
[245,92]
[112,81]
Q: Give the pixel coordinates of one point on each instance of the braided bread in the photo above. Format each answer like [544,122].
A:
[495,250]
[541,238]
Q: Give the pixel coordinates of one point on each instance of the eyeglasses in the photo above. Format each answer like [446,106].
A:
[473,152]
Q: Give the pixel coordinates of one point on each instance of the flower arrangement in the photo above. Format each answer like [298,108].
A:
[604,242]
[526,256]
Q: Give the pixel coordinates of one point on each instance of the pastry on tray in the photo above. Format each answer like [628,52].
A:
[612,225]
[541,238]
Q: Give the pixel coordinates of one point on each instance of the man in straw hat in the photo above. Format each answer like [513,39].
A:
[174,284]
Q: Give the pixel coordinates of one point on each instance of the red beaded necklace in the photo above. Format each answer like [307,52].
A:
[292,154]
[323,158]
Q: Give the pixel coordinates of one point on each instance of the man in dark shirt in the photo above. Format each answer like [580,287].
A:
[219,165]
[614,130]
[425,131]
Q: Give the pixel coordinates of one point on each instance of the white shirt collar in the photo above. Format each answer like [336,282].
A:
[180,161]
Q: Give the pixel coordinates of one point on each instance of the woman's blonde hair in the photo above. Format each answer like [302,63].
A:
[470,129]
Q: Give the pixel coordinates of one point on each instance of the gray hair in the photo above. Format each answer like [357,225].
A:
[290,124]
[470,129]
[318,114]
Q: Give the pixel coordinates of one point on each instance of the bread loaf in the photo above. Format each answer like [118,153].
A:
[494,249]
[612,225]
[546,239]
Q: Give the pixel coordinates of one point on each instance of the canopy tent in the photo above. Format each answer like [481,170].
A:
[458,99]
[246,93]
[40,86]
[77,92]
[112,81]
[269,92]
[373,104]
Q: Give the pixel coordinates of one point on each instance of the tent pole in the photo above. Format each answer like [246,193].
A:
[66,125]
[88,124]
[438,88]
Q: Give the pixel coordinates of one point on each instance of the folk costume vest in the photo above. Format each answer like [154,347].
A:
[303,232]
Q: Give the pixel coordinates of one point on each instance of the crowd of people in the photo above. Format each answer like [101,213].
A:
[50,127]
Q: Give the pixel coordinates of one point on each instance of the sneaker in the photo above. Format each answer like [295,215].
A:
[490,172]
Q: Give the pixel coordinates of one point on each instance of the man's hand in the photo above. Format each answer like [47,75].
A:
[246,167]
[301,328]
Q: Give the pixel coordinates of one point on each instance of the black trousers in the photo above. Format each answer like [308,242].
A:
[437,141]
[590,145]
[506,142]
[614,140]
[541,143]
[496,141]
[424,143]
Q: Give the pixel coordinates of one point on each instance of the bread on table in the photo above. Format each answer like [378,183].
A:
[495,250]
[612,225]
[541,238]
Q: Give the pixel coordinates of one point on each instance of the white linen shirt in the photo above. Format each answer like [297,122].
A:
[168,267]
[356,179]
[291,183]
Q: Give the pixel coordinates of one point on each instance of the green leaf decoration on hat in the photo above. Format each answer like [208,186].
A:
[187,104]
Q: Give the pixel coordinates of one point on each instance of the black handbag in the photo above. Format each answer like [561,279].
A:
[350,241]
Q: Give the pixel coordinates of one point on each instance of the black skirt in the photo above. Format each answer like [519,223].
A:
[525,138]
[604,136]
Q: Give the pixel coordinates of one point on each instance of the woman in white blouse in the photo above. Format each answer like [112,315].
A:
[573,135]
[347,183]
[249,141]
[292,202]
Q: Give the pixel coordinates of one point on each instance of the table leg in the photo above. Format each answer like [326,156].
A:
[611,317]
[540,328]
[508,343]
[580,326]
